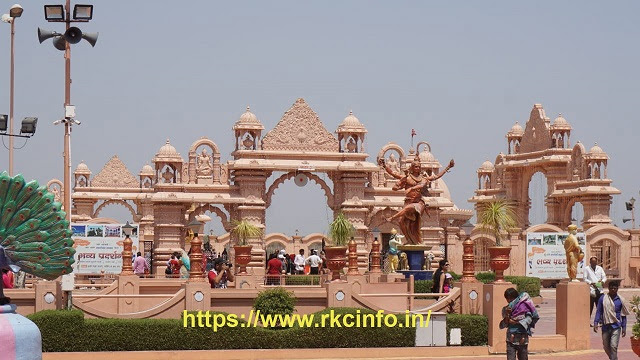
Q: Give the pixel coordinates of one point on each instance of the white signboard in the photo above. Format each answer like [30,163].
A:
[546,258]
[99,247]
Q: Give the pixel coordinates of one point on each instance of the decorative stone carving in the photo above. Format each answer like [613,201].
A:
[300,129]
[115,174]
[205,166]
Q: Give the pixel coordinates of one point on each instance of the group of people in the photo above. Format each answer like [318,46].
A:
[280,263]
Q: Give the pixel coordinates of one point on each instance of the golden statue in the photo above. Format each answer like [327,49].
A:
[394,241]
[574,253]
[415,185]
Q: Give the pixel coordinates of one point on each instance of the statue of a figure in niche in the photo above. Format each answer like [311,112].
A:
[204,167]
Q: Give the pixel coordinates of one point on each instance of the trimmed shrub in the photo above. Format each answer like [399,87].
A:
[64,330]
[523,283]
[303,280]
[475,328]
[275,301]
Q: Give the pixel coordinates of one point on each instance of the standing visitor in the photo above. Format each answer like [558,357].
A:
[612,314]
[140,265]
[446,288]
[518,317]
[314,262]
[594,276]
[299,262]
[175,265]
[274,267]
[439,276]
[7,279]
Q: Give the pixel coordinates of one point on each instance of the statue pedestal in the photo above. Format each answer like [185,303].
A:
[19,337]
[205,179]
[572,314]
[415,257]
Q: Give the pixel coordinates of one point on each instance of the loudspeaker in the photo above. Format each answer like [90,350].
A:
[45,34]
[73,35]
[60,43]
[91,38]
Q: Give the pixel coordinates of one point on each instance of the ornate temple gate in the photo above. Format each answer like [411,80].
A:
[165,197]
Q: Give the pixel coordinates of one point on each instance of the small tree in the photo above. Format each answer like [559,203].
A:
[243,230]
[340,230]
[497,216]
[276,301]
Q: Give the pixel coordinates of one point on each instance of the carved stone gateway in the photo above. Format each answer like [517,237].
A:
[167,196]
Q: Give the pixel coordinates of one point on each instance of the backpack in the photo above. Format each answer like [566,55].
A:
[168,271]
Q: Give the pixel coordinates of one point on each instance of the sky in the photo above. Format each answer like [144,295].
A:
[459,73]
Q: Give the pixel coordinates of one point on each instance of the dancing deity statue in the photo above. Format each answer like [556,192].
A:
[574,252]
[416,185]
[204,164]
[394,241]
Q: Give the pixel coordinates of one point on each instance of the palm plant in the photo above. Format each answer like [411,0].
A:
[340,230]
[496,217]
[243,230]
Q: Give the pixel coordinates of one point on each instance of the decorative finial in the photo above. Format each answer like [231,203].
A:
[167,141]
[350,112]
[248,108]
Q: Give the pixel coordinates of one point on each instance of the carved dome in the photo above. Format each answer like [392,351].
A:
[82,169]
[147,170]
[596,152]
[168,153]
[248,121]
[486,166]
[351,124]
[428,160]
[560,123]
[516,130]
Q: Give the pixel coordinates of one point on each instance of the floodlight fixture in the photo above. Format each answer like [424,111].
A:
[625,220]
[127,229]
[54,12]
[83,12]
[3,122]
[29,125]
[15,11]
[194,226]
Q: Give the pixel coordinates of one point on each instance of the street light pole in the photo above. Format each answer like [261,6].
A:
[14,12]
[67,124]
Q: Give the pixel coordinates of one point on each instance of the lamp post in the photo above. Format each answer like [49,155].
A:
[127,252]
[196,273]
[631,207]
[14,12]
[72,35]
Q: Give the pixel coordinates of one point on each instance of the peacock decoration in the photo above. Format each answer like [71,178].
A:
[34,234]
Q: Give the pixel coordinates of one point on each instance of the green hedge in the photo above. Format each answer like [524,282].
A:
[65,330]
[523,283]
[302,280]
[475,328]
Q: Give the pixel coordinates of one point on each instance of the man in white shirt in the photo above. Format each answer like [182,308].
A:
[594,276]
[299,262]
[314,262]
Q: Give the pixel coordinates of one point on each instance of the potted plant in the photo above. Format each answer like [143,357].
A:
[243,230]
[340,230]
[498,217]
[635,330]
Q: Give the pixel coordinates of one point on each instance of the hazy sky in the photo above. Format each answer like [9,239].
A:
[461,74]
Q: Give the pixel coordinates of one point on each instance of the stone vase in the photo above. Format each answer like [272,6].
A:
[499,261]
[243,257]
[336,260]
[635,345]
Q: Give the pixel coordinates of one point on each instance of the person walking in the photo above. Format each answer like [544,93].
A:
[519,317]
[140,265]
[594,276]
[612,315]
[439,276]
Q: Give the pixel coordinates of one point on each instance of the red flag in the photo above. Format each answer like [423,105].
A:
[413,132]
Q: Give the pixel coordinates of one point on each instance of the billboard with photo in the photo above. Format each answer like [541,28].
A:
[99,247]
[546,257]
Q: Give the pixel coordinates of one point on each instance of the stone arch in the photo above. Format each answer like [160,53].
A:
[313,237]
[527,177]
[102,221]
[391,146]
[607,243]
[116,202]
[215,210]
[279,181]
[544,228]
[56,187]
[422,143]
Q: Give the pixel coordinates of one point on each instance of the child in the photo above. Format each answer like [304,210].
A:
[447,283]
[519,317]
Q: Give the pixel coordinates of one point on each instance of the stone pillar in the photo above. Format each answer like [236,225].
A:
[48,295]
[353,258]
[339,294]
[493,302]
[196,273]
[572,314]
[168,232]
[468,267]
[127,254]
[197,296]
[128,285]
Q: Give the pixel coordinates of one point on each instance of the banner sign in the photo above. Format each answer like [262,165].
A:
[99,247]
[546,258]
